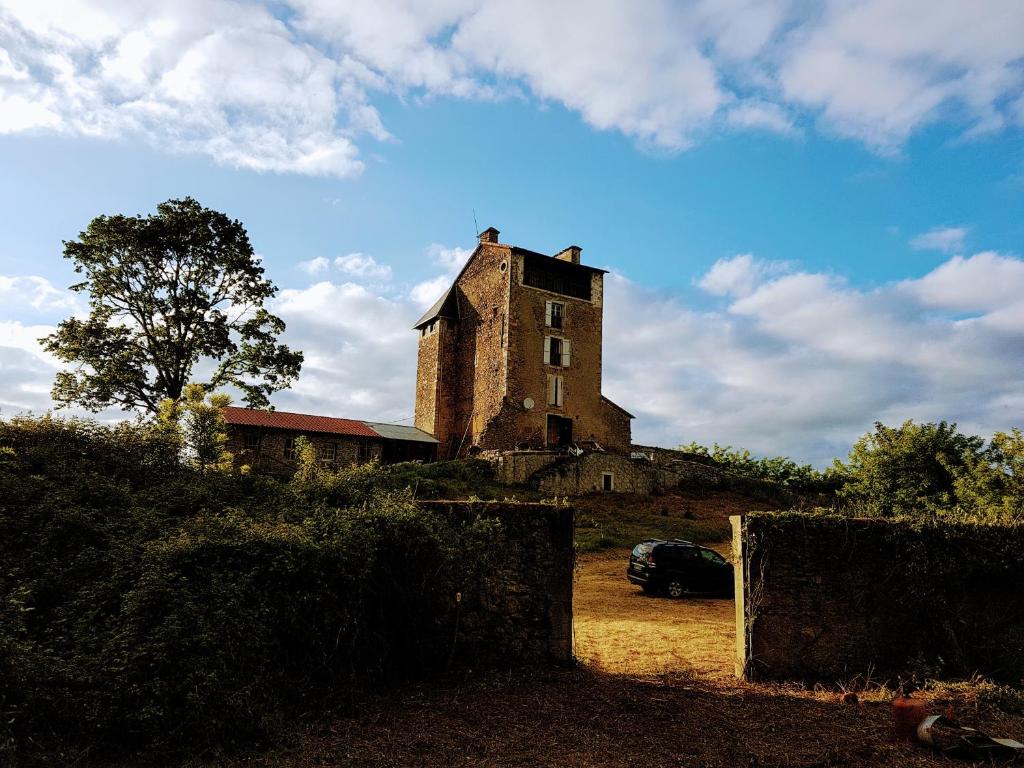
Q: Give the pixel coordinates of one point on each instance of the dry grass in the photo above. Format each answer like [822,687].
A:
[656,689]
[620,630]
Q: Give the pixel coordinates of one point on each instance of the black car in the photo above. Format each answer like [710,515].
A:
[677,567]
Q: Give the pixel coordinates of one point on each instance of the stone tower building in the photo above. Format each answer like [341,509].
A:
[510,356]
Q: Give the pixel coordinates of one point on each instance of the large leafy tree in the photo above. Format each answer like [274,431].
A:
[909,470]
[167,291]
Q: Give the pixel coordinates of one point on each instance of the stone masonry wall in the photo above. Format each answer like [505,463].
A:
[827,598]
[522,610]
[272,458]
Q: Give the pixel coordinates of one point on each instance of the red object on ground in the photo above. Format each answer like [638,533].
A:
[907,714]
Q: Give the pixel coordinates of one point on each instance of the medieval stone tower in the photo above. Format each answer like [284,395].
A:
[510,356]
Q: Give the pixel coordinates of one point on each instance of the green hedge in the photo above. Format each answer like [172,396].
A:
[144,606]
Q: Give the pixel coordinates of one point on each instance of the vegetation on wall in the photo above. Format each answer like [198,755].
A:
[944,595]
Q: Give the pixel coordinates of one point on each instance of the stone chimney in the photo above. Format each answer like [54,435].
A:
[489,235]
[570,254]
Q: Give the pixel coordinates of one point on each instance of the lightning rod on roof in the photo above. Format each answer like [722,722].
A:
[476,227]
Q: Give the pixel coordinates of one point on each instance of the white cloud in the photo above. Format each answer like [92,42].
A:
[881,69]
[945,239]
[803,363]
[219,78]
[314,266]
[738,275]
[362,266]
[295,92]
[761,115]
[33,293]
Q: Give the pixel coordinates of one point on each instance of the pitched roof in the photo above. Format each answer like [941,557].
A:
[617,406]
[298,422]
[400,432]
[446,306]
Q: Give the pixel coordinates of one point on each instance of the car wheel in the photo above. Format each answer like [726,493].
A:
[675,588]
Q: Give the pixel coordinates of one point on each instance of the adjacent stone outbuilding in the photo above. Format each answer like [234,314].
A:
[266,440]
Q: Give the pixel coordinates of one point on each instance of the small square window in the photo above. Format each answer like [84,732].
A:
[251,442]
[327,453]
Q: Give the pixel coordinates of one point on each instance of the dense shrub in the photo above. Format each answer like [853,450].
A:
[144,604]
[778,470]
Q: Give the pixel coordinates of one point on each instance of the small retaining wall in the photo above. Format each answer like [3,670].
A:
[827,598]
[522,610]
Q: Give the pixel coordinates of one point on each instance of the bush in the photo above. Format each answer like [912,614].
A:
[148,605]
[778,470]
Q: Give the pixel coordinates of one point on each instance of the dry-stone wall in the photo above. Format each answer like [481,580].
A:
[828,598]
[521,613]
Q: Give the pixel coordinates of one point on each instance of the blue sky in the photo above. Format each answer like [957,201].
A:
[813,219]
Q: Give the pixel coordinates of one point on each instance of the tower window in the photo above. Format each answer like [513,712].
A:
[608,481]
[555,390]
[553,312]
[556,351]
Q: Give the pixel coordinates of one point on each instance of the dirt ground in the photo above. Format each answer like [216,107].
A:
[620,630]
[655,689]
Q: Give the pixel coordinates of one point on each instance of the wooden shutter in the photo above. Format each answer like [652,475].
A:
[554,390]
[547,313]
[547,349]
[565,353]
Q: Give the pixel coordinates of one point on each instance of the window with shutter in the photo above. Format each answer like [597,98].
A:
[553,312]
[555,350]
[555,390]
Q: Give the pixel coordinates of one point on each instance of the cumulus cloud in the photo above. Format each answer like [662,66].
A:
[785,361]
[736,275]
[291,87]
[314,266]
[360,265]
[945,239]
[802,363]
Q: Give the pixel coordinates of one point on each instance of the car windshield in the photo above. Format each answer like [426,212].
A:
[641,549]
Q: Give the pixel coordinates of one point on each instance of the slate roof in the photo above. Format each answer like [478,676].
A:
[298,422]
[617,406]
[399,432]
[446,306]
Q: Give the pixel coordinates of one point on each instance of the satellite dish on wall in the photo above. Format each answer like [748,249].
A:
[528,403]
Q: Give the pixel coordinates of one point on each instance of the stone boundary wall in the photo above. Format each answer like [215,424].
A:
[521,612]
[827,598]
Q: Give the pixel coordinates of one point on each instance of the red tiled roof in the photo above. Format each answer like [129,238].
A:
[298,422]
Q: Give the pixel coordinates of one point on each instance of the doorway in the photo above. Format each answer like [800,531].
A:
[559,431]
